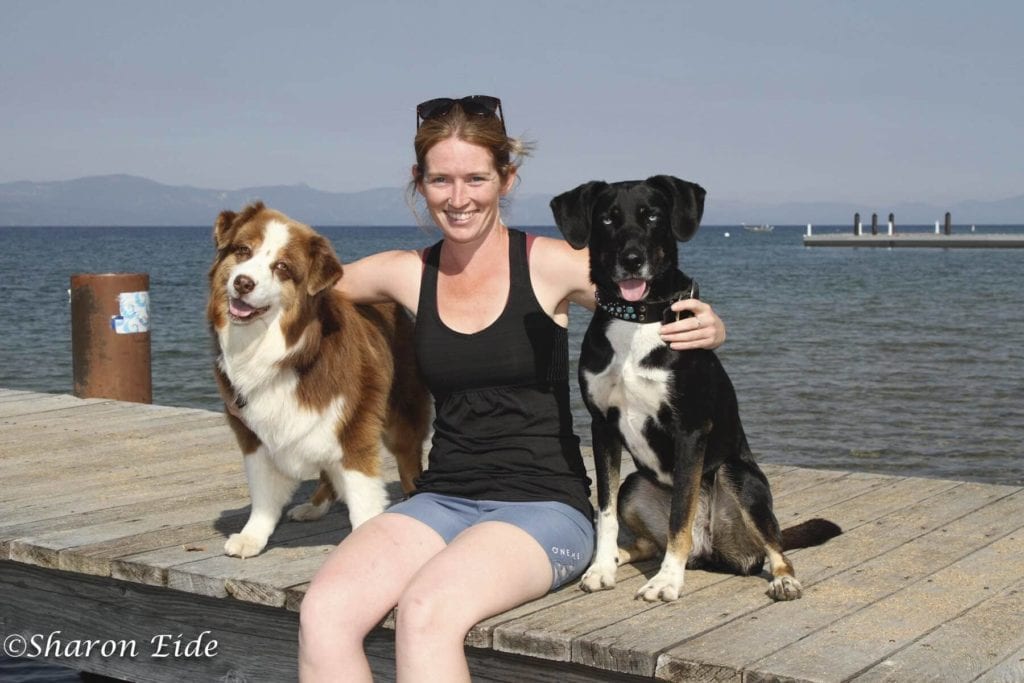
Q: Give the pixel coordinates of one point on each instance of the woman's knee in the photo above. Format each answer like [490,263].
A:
[425,613]
[327,611]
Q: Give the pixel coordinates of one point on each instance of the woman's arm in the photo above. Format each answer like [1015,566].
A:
[560,274]
[383,277]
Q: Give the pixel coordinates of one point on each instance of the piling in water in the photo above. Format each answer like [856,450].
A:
[110,342]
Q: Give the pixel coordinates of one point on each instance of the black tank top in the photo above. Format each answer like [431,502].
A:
[503,425]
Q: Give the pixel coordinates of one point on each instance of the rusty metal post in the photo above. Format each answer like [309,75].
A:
[110,344]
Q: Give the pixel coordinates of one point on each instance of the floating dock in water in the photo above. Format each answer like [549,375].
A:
[113,517]
[917,239]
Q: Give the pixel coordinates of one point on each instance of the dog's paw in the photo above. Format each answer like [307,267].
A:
[785,588]
[662,587]
[308,512]
[244,545]
[598,578]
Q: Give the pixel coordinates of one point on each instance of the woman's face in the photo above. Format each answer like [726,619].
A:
[462,189]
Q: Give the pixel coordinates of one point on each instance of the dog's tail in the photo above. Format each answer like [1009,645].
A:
[812,532]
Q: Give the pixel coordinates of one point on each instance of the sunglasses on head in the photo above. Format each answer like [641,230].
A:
[473,105]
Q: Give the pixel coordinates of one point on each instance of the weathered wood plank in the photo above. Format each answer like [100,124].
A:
[792,480]
[872,634]
[41,403]
[253,643]
[69,520]
[40,436]
[208,571]
[296,551]
[149,493]
[58,410]
[116,463]
[96,495]
[859,568]
[799,479]
[25,437]
[1010,670]
[6,394]
[635,644]
[961,649]
[553,632]
[260,579]
[88,550]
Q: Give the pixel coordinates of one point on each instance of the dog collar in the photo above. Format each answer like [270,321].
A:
[645,311]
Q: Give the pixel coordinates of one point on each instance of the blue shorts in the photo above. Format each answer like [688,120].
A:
[563,531]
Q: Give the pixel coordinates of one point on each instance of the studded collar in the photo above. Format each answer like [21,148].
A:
[645,311]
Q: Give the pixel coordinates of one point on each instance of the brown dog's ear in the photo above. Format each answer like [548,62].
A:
[687,204]
[573,212]
[228,222]
[325,268]
[224,229]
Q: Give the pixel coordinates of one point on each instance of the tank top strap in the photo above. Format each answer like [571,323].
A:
[427,305]
[432,256]
[519,268]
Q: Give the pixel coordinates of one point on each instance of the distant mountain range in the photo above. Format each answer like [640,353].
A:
[131,200]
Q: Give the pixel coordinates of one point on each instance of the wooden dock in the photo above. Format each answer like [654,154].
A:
[917,239]
[113,516]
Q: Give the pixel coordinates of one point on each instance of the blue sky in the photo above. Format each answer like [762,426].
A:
[877,102]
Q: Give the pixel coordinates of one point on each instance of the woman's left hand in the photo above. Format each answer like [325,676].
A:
[704,330]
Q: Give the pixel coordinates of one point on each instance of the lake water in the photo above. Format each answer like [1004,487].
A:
[903,361]
[908,361]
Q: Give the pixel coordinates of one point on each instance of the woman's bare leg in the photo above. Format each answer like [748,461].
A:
[487,569]
[358,584]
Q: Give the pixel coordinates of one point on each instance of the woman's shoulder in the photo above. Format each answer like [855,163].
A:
[392,260]
[554,252]
[557,268]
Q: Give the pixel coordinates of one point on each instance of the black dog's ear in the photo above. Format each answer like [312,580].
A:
[687,204]
[573,212]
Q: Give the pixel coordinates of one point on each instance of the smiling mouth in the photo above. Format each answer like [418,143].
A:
[243,312]
[632,289]
[459,216]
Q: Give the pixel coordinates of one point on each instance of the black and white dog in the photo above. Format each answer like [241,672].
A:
[697,494]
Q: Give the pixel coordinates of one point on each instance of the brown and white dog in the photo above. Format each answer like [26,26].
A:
[316,384]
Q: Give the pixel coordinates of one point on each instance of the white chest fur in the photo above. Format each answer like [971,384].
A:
[298,439]
[637,392]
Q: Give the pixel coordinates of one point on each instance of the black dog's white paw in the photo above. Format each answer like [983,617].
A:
[666,586]
[598,578]
[785,588]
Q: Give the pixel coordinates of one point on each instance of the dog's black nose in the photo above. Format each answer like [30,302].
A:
[244,284]
[632,259]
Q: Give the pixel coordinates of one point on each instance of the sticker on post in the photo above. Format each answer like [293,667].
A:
[134,317]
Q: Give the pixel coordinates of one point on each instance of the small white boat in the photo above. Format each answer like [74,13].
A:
[763,227]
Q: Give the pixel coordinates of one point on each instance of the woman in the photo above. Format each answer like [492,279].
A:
[502,514]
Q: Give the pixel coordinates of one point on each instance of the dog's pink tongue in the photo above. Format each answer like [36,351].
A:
[633,290]
[239,308]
